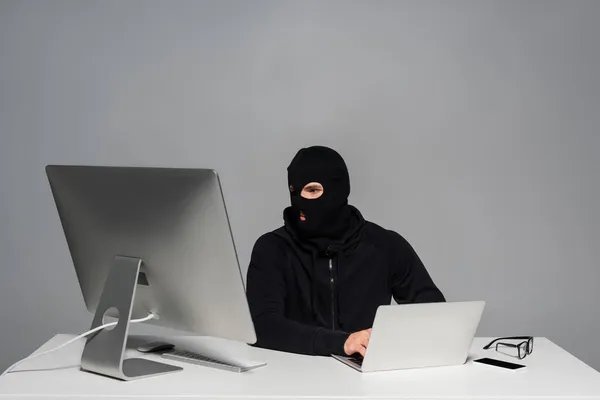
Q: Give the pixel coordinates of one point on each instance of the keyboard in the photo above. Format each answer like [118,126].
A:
[357,360]
[194,358]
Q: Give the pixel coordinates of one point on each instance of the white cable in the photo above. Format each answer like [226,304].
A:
[96,329]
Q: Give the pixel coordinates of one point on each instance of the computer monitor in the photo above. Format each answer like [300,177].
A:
[150,240]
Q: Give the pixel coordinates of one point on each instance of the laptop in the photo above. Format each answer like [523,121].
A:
[419,335]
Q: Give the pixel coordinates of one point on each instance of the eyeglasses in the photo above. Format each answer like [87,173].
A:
[524,348]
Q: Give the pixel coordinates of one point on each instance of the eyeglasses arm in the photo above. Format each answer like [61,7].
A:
[489,345]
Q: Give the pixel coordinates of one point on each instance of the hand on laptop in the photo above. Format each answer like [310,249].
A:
[357,342]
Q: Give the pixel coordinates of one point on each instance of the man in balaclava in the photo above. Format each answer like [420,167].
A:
[315,284]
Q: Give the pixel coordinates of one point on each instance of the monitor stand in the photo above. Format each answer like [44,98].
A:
[104,351]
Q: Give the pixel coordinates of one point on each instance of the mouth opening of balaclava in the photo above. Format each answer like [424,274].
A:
[327,216]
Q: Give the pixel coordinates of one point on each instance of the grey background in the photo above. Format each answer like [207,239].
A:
[470,127]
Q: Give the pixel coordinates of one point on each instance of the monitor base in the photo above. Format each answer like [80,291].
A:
[104,351]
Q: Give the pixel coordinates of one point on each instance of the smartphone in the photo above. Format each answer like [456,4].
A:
[498,363]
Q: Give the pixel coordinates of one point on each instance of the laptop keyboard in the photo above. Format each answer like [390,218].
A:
[356,359]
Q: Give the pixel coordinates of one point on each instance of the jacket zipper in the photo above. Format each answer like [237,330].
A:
[332,285]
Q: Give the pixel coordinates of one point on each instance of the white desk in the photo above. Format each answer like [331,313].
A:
[551,373]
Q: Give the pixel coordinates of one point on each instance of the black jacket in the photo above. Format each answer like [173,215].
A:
[308,301]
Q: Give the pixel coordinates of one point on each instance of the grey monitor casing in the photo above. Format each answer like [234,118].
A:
[176,223]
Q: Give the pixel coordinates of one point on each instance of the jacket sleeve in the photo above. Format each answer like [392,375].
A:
[266,292]
[411,283]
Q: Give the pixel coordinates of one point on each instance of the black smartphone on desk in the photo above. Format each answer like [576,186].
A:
[499,363]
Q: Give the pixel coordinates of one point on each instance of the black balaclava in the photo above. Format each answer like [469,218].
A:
[328,216]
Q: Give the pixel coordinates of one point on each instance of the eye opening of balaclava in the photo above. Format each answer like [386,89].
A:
[328,215]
